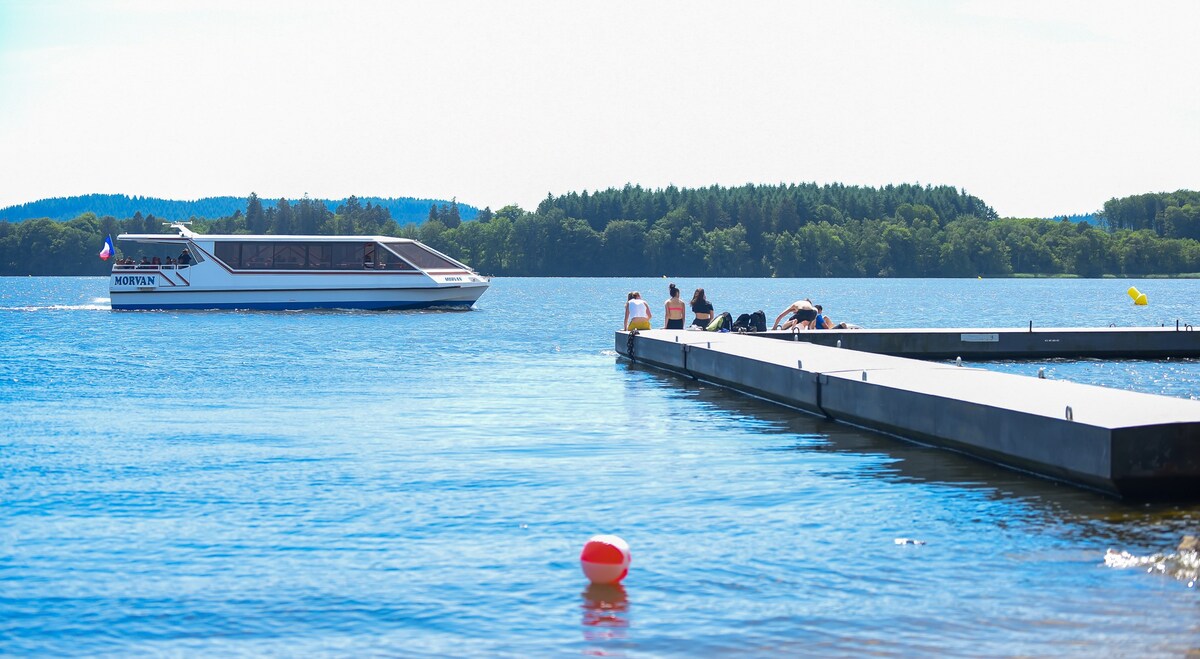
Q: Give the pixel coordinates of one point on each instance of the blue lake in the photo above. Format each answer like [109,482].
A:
[421,483]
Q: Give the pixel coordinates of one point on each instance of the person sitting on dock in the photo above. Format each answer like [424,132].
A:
[637,312]
[676,311]
[803,312]
[821,321]
[702,308]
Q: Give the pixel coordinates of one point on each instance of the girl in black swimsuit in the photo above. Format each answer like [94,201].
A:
[701,307]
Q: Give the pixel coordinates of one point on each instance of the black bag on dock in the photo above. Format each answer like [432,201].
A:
[758,321]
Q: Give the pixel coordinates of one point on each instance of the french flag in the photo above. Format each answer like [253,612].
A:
[108,249]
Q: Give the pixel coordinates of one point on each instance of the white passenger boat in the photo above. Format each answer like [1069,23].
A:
[290,272]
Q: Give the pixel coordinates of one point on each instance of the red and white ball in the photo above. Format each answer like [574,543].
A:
[605,559]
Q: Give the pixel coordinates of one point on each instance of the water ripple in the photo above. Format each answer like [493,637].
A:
[420,484]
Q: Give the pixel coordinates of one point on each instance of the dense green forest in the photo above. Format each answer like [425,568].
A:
[805,230]
[1168,214]
[798,231]
[403,209]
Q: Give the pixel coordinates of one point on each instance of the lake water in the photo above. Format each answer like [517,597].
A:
[421,484]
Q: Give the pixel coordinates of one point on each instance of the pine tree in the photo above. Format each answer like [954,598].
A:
[256,221]
[452,220]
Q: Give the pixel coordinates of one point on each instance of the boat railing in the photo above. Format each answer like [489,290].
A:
[150,266]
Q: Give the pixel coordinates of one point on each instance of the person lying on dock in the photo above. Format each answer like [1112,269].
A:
[803,313]
[825,322]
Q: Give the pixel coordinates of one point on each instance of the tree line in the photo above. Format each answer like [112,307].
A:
[803,230]
[796,231]
[1168,214]
[403,209]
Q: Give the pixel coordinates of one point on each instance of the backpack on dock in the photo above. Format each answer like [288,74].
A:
[721,323]
[758,321]
[751,322]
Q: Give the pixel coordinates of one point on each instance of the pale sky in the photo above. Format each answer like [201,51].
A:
[1038,107]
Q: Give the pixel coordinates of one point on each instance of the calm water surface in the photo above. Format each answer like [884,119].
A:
[421,483]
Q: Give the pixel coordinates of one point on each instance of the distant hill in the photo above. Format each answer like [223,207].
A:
[404,210]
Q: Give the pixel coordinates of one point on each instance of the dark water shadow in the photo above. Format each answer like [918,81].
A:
[1076,512]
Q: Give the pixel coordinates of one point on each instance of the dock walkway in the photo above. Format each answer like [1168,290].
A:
[1129,444]
[1009,343]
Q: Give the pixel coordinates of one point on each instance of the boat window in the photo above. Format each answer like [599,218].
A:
[264,255]
[229,253]
[289,256]
[349,256]
[257,256]
[422,257]
[320,256]
[389,261]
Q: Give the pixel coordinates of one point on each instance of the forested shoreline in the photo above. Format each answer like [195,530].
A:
[403,209]
[800,230]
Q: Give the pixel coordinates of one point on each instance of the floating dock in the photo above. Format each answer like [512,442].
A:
[1009,343]
[1128,444]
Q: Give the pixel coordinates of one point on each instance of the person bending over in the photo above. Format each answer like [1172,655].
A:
[803,313]
[637,312]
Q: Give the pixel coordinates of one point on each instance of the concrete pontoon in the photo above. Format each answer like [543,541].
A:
[1128,444]
[1026,343]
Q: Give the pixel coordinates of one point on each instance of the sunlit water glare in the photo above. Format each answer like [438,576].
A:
[421,483]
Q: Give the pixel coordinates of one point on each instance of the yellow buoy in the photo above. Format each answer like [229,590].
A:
[1139,298]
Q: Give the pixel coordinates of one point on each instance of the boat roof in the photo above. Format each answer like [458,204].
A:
[170,237]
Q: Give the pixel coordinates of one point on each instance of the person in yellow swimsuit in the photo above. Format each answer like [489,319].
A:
[676,310]
[637,312]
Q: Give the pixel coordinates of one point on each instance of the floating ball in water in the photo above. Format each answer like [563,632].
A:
[605,559]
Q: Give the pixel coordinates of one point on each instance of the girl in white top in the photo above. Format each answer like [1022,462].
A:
[637,312]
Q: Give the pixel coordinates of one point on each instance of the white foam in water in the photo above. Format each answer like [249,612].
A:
[1184,566]
[97,304]
[78,307]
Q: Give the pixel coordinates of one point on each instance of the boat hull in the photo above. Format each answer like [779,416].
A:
[375,299]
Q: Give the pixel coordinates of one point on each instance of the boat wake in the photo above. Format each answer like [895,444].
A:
[98,304]
[1183,565]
